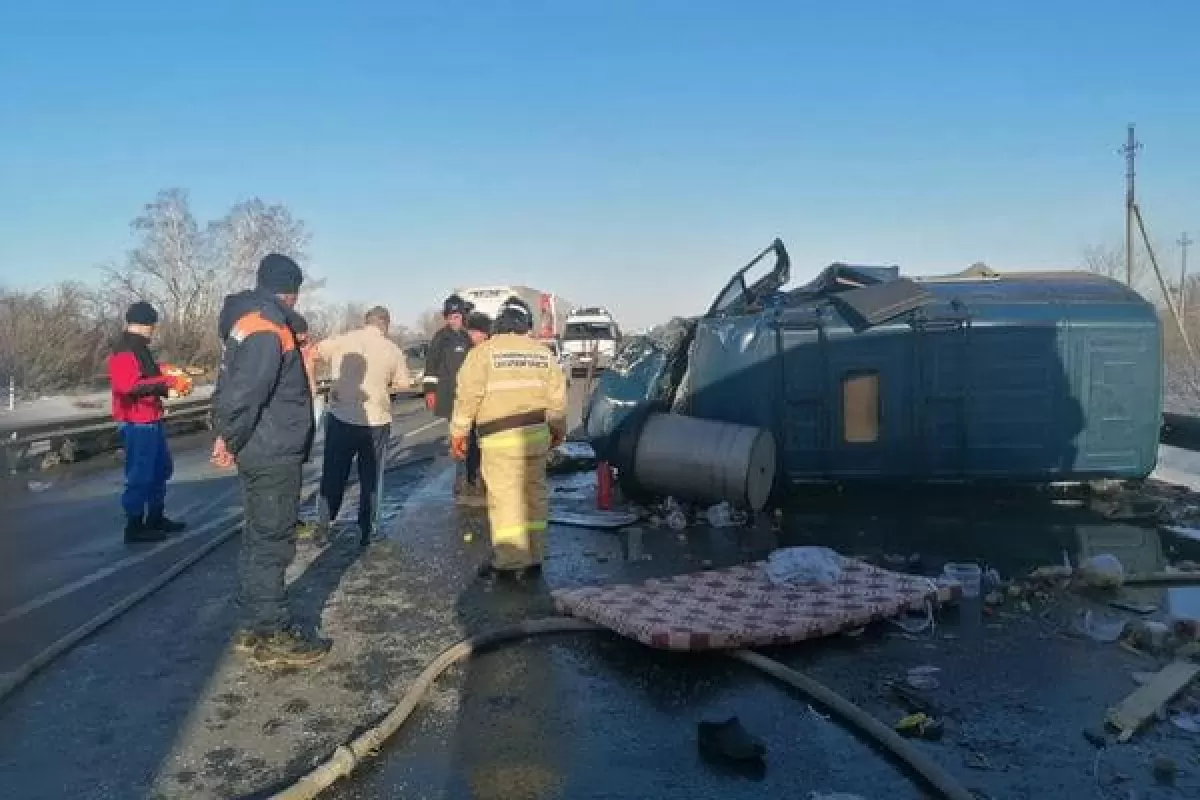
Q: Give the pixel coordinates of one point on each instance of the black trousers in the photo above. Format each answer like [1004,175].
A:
[345,443]
[271,498]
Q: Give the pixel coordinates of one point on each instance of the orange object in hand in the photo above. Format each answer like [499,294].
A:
[179,383]
[458,448]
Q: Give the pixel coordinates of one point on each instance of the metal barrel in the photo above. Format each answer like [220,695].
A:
[705,461]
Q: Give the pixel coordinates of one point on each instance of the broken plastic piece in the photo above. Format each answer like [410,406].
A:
[729,740]
[1101,628]
[1103,571]
[804,565]
[923,678]
[722,515]
[1186,720]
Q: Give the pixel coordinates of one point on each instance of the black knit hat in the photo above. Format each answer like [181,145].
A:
[141,313]
[478,321]
[279,274]
[456,305]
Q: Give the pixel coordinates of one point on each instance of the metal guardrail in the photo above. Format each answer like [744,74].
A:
[1180,430]
[64,440]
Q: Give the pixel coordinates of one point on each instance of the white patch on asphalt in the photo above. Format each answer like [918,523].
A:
[62,591]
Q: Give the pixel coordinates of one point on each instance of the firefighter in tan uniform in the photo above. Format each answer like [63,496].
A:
[512,389]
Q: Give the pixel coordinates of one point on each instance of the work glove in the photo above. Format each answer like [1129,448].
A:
[430,400]
[458,447]
[221,458]
[557,437]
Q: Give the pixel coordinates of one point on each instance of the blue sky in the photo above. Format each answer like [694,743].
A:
[619,152]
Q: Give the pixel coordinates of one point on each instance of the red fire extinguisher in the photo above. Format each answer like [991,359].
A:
[604,486]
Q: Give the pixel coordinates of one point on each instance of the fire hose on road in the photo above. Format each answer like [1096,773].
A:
[349,756]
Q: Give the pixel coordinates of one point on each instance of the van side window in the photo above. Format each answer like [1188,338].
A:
[860,407]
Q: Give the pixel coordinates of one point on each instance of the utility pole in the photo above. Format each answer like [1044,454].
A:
[1184,243]
[1130,149]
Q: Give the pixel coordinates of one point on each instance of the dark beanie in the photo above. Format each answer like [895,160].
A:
[141,313]
[279,275]
[478,321]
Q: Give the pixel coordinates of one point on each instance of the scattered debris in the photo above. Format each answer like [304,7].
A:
[1147,701]
[1051,574]
[994,598]
[804,565]
[1165,770]
[978,761]
[1186,720]
[1096,737]
[729,740]
[911,701]
[592,519]
[1169,578]
[1187,533]
[1102,571]
[923,678]
[967,576]
[571,457]
[1150,636]
[1100,628]
[1134,606]
[39,486]
[722,515]
[920,725]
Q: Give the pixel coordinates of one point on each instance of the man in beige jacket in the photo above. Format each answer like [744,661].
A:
[366,368]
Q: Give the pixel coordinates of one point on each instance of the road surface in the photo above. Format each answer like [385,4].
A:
[62,553]
[156,705]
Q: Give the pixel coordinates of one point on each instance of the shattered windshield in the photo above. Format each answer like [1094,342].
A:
[577,331]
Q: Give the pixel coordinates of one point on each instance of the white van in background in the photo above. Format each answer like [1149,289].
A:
[590,339]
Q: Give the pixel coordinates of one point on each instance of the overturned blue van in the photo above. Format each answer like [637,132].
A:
[865,375]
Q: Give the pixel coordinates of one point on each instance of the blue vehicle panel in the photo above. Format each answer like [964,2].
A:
[864,375]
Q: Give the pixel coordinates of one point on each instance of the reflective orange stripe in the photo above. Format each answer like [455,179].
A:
[255,322]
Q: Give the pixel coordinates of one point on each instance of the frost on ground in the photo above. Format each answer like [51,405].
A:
[162,707]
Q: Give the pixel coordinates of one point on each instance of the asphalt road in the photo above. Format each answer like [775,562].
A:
[156,706]
[62,553]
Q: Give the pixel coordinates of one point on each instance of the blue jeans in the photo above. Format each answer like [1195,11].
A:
[148,467]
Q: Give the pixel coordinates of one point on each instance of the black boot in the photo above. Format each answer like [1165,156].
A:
[157,521]
[136,531]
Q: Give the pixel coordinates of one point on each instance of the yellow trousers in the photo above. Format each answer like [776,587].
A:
[514,469]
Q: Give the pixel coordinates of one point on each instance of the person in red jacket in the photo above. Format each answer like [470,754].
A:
[138,389]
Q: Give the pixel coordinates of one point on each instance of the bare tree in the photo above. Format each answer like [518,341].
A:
[429,322]
[171,268]
[253,229]
[54,339]
[185,271]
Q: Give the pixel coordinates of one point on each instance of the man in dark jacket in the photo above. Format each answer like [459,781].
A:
[264,421]
[447,349]
[138,389]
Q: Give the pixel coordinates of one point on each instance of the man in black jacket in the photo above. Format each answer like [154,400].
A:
[264,421]
[447,349]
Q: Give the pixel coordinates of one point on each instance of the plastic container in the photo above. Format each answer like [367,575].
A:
[966,575]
